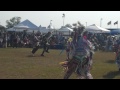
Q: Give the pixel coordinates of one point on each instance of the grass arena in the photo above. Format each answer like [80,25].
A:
[17,63]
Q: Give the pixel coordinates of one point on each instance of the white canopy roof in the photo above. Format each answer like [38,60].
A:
[21,26]
[28,23]
[50,27]
[25,25]
[65,29]
[11,29]
[96,29]
[44,30]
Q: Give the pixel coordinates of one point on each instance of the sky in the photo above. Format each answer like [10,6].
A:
[43,18]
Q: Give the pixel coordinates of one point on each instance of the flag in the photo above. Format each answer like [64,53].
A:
[63,15]
[116,23]
[109,23]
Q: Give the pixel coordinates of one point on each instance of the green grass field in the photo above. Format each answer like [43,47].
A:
[17,63]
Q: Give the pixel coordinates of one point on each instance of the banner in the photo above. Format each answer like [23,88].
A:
[109,23]
[116,23]
[63,15]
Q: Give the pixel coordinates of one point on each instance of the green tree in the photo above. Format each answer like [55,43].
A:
[2,28]
[13,21]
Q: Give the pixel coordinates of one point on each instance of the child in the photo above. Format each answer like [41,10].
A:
[68,48]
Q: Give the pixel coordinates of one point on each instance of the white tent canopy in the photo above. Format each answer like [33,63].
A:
[50,28]
[96,29]
[65,30]
[25,25]
[11,29]
[21,26]
[43,30]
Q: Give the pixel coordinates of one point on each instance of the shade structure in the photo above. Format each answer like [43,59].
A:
[21,26]
[11,29]
[65,30]
[96,29]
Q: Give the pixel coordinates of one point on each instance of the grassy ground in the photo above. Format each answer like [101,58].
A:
[17,63]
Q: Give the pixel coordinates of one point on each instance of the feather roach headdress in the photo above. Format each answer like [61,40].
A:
[79,29]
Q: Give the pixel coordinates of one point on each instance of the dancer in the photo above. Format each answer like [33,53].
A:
[45,43]
[68,48]
[118,57]
[82,51]
[36,44]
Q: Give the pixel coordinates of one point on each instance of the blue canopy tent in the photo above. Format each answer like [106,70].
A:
[114,31]
[25,25]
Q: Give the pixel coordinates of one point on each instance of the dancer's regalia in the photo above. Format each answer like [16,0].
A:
[36,46]
[118,57]
[68,48]
[48,37]
[45,43]
[79,53]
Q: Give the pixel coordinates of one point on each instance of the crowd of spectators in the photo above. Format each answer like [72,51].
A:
[101,41]
[23,39]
